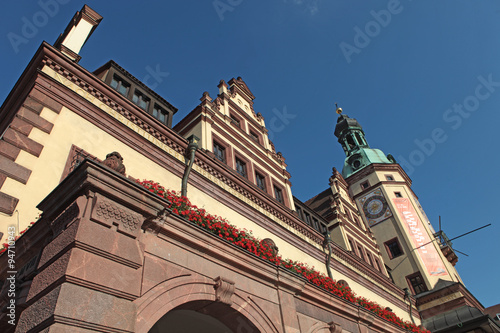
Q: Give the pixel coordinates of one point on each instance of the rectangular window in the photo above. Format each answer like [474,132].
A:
[220,152]
[160,114]
[241,167]
[308,218]
[351,244]
[377,265]
[393,248]
[315,224]
[235,120]
[254,137]
[323,227]
[261,181]
[369,256]
[416,283]
[278,194]
[365,185]
[360,252]
[389,177]
[141,100]
[120,85]
[398,194]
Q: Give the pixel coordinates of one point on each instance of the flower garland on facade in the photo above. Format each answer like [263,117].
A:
[220,227]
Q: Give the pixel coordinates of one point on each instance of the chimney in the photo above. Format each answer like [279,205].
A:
[79,29]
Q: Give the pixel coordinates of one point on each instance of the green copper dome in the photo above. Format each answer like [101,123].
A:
[358,152]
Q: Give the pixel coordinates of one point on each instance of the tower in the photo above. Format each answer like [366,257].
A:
[414,257]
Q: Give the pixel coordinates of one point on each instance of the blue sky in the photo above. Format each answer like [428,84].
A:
[422,77]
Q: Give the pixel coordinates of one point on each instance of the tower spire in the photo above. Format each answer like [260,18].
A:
[351,137]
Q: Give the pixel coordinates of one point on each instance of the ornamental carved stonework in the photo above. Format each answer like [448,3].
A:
[115,161]
[110,213]
[224,290]
[272,245]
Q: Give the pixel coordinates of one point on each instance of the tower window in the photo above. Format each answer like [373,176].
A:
[350,142]
[416,283]
[120,85]
[141,100]
[365,185]
[220,152]
[160,114]
[241,167]
[393,248]
[261,181]
[278,194]
[360,139]
[398,194]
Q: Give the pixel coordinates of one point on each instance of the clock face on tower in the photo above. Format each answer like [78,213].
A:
[374,206]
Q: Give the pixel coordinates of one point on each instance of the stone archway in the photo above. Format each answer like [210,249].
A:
[196,296]
[203,316]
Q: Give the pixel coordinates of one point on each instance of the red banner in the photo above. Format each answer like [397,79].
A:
[419,237]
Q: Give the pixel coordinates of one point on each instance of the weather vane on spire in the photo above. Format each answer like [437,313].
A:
[339,110]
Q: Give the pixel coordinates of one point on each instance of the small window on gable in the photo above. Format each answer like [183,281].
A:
[278,194]
[365,185]
[398,194]
[220,152]
[389,177]
[141,100]
[261,181]
[241,167]
[120,85]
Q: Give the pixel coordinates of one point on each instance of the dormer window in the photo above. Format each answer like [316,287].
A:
[141,100]
[120,85]
[160,114]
